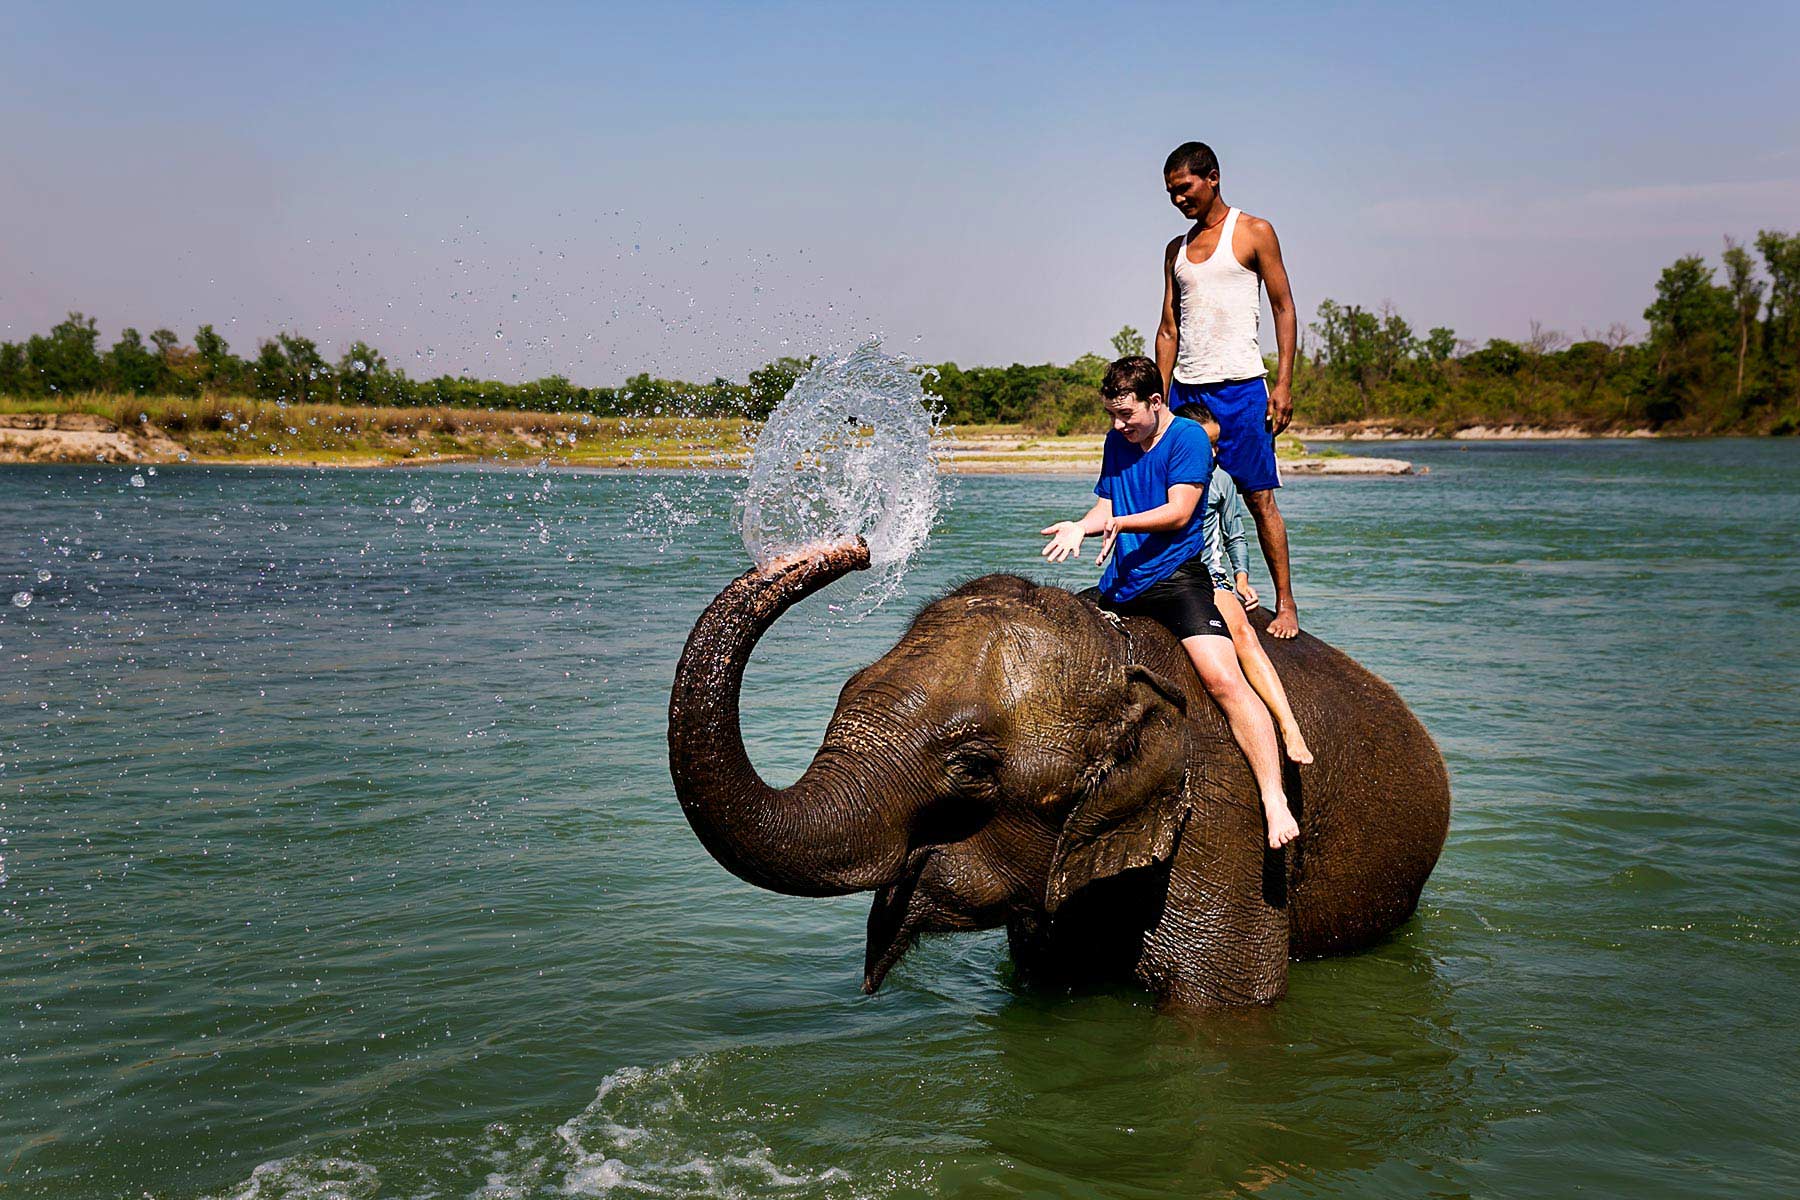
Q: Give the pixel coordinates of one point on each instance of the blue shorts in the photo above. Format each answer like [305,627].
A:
[1241,407]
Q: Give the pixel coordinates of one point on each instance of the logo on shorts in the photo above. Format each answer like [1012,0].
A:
[1216,624]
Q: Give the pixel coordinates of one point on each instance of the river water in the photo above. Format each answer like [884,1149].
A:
[340,857]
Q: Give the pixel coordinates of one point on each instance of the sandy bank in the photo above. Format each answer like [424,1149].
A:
[80,437]
[1374,431]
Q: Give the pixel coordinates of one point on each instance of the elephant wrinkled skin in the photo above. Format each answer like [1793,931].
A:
[1019,759]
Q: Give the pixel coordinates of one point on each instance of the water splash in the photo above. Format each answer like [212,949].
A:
[850,452]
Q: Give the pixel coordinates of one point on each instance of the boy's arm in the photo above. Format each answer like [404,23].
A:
[1065,536]
[1281,303]
[1171,516]
[1168,332]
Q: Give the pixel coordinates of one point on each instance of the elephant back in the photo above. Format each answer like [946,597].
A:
[1373,806]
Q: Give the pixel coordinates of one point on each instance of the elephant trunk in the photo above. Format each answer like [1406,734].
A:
[820,837]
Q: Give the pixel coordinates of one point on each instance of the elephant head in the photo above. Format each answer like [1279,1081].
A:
[1005,755]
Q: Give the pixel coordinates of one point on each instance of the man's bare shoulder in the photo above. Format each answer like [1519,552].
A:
[1257,227]
[1175,244]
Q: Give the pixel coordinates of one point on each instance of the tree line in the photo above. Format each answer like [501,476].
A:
[1720,355]
[289,368]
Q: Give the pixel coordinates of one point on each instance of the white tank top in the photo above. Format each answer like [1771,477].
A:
[1219,303]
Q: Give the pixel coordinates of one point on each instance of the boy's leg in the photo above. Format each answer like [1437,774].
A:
[1261,673]
[1271,531]
[1216,661]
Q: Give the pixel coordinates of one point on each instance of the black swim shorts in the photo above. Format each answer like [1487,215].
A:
[1181,603]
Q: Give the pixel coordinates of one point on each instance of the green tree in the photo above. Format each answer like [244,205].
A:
[290,368]
[362,375]
[219,369]
[1690,328]
[1746,301]
[1781,329]
[1127,343]
[1498,357]
[1439,344]
[130,366]
[770,384]
[12,369]
[68,360]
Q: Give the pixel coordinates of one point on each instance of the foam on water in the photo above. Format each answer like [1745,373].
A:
[640,1136]
[308,1178]
[850,452]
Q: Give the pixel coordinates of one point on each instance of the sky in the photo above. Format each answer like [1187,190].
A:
[692,189]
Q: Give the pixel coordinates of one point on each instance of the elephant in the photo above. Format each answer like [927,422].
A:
[1021,759]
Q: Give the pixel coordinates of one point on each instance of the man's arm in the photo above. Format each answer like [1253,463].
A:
[1168,332]
[1274,274]
[1065,536]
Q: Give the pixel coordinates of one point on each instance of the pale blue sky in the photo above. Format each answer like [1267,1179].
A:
[691,189]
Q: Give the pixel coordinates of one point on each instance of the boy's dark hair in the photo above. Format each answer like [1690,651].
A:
[1134,376]
[1197,157]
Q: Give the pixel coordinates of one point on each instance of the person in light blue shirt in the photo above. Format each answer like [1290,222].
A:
[1149,512]
[1227,558]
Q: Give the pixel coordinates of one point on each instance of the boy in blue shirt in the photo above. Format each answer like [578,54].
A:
[1149,513]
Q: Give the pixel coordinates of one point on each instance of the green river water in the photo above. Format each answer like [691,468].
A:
[338,857]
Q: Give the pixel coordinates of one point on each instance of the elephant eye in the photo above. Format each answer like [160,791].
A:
[973,767]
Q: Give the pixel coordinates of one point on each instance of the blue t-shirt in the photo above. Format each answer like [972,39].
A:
[1137,481]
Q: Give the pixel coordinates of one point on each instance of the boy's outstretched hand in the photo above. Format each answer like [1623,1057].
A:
[1109,534]
[1065,541]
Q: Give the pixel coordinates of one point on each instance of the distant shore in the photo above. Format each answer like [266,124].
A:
[418,438]
[126,430]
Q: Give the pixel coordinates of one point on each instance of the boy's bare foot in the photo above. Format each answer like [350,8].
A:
[1286,623]
[1282,828]
[1295,745]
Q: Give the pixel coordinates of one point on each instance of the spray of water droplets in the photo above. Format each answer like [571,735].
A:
[849,453]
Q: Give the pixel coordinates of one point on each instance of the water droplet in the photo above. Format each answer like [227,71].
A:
[182,457]
[498,334]
[43,576]
[137,481]
[149,470]
[21,599]
[420,504]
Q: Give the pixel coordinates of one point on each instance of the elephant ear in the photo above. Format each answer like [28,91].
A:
[1132,809]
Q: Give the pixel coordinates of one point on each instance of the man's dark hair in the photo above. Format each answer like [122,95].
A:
[1133,376]
[1197,157]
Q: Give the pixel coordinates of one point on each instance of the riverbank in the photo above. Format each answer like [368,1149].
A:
[100,428]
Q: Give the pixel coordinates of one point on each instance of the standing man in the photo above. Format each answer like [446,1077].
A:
[1209,354]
